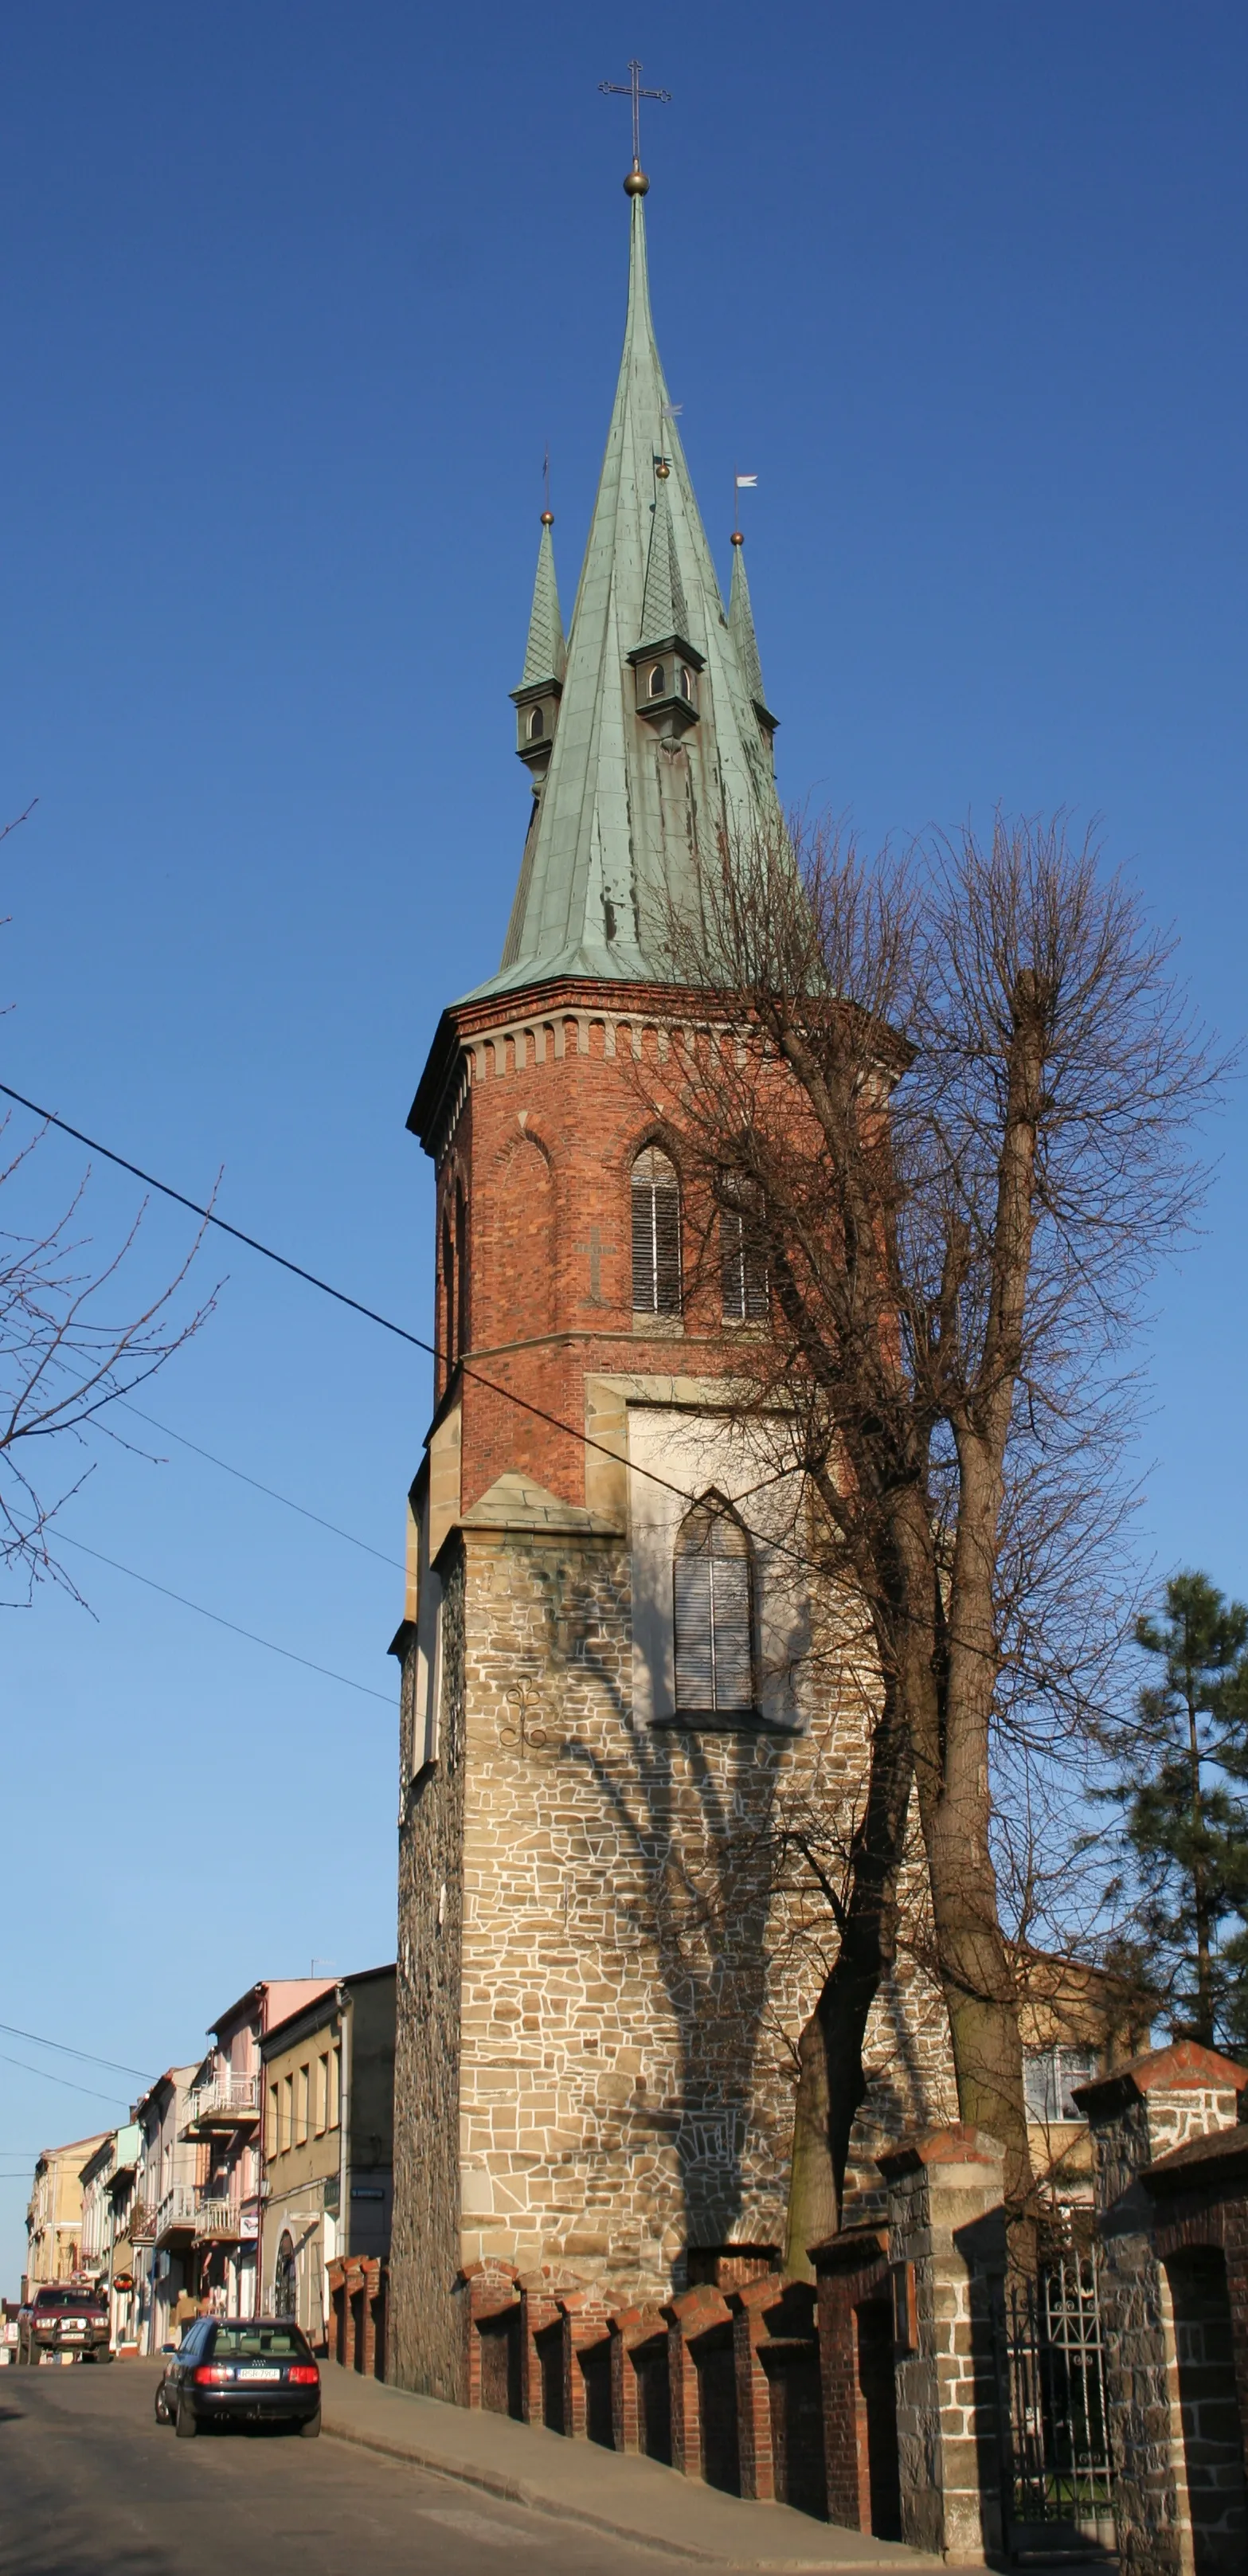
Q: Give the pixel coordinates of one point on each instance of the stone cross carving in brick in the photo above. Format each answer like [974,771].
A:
[595,1248]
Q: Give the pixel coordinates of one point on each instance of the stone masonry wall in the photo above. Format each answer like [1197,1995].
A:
[632,1981]
[424,2351]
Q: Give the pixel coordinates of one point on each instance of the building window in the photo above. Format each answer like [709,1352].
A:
[288,2113]
[273,2139]
[711,1582]
[656,1235]
[536,725]
[305,2073]
[1049,2078]
[322,2095]
[335,2088]
[686,685]
[742,1252]
[658,679]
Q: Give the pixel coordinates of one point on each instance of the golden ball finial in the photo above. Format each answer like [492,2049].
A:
[737,538]
[636,184]
[662,469]
[548,518]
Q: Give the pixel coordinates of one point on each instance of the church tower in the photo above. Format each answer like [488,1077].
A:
[607,1693]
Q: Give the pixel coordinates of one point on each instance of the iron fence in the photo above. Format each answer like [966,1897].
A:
[1059,2472]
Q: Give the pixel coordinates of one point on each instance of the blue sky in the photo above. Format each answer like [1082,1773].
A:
[295,299]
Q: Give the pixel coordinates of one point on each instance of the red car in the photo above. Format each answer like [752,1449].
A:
[63,2323]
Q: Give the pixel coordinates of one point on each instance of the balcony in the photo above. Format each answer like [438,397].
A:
[140,2223]
[217,2222]
[228,2102]
[176,2215]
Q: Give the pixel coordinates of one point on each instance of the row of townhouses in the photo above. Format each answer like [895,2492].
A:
[237,2179]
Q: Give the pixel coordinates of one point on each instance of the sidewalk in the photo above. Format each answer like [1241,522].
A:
[633,2499]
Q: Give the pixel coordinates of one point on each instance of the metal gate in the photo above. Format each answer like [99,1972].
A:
[1055,2429]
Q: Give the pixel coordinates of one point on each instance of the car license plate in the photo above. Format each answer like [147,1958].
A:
[74,2328]
[259,2374]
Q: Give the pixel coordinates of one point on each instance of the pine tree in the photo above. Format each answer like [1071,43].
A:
[1181,1786]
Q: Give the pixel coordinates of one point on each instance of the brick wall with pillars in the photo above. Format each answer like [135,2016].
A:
[641,2405]
[488,2300]
[358,2298]
[946,2220]
[779,2408]
[1158,2127]
[859,2404]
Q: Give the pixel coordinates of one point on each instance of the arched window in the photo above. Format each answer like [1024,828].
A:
[656,1235]
[537,725]
[742,1251]
[714,1629]
[686,685]
[658,680]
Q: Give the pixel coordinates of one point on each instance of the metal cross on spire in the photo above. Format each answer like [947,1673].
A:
[636,182]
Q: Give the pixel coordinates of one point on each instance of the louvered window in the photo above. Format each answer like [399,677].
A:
[714,1645]
[656,1235]
[742,1253]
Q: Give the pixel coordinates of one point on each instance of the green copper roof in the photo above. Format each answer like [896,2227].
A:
[663,610]
[622,814]
[741,628]
[544,653]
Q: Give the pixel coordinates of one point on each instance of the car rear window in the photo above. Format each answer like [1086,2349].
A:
[260,2342]
[68,2299]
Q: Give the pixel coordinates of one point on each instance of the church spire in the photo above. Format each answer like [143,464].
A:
[541,681]
[741,629]
[658,745]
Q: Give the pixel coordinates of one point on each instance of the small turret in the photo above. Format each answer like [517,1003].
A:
[536,700]
[741,629]
[665,664]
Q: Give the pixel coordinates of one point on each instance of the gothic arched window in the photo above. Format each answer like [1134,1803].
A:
[656,1235]
[742,1251]
[714,1625]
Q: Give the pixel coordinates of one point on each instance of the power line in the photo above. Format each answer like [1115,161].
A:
[537,1412]
[167,1433]
[64,1540]
[66,2080]
[88,2056]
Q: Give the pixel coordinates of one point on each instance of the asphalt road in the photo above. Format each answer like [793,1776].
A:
[90,2485]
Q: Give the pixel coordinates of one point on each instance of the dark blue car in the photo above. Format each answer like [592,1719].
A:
[243,2370]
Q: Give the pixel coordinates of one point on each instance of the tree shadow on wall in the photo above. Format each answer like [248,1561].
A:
[693,1810]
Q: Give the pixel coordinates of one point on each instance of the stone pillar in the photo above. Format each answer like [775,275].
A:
[1138,2114]
[851,2269]
[946,2221]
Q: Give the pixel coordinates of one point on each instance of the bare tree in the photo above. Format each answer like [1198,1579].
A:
[64,1360]
[952,1097]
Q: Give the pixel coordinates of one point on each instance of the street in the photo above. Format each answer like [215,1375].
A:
[92,2486]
